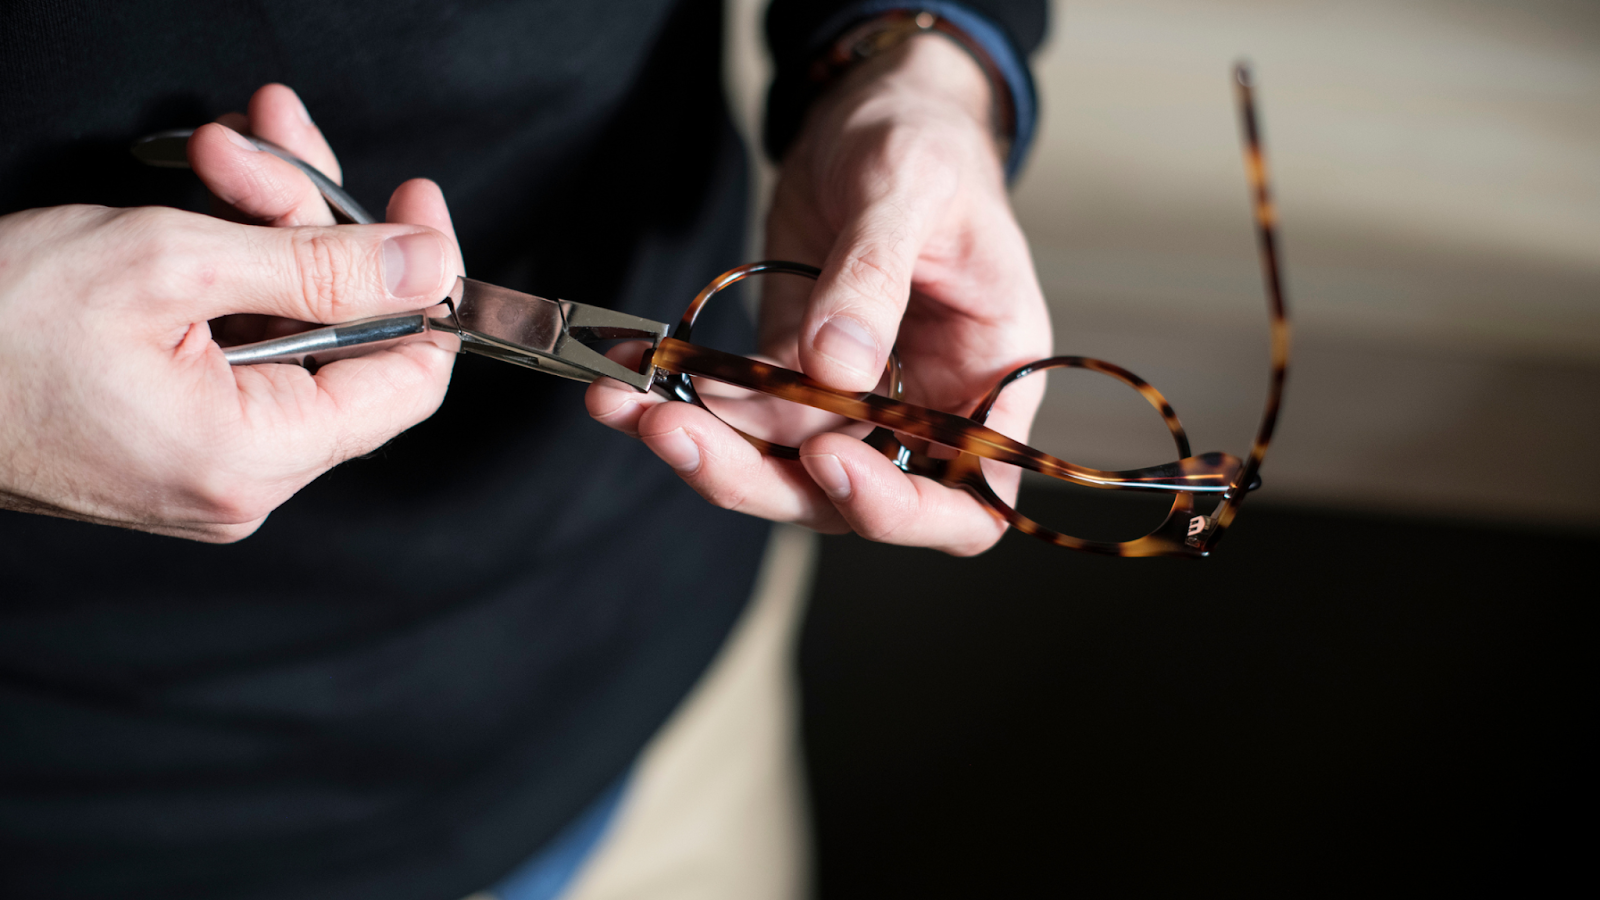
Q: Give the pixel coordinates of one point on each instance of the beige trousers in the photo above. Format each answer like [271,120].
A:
[715,809]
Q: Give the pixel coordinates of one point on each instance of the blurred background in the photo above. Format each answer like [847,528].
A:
[1377,679]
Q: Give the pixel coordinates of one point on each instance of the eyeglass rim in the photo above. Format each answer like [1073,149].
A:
[1265,217]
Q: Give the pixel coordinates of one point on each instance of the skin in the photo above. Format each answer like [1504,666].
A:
[895,189]
[117,407]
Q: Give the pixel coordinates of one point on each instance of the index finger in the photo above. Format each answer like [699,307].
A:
[256,184]
[278,114]
[853,316]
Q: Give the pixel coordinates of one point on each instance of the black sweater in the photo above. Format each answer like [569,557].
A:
[429,660]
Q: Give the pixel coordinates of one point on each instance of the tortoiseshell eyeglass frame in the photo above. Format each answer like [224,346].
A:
[1184,532]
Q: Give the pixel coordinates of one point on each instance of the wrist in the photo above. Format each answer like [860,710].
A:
[886,33]
[927,68]
[867,29]
[925,86]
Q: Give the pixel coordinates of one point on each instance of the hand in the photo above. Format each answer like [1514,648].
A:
[259,188]
[117,406]
[895,188]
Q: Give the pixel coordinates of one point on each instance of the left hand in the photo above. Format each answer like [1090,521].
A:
[895,188]
[261,189]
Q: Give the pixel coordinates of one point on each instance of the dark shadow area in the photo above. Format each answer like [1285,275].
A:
[1332,703]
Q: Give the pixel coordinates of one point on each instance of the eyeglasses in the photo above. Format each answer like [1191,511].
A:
[556,337]
[1183,532]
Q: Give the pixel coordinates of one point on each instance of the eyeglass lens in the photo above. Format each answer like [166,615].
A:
[1097,420]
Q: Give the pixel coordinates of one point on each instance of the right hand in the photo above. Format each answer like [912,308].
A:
[117,406]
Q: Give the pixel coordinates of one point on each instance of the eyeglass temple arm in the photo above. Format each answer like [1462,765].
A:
[1255,164]
[1207,473]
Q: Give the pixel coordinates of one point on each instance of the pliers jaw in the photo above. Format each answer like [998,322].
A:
[549,335]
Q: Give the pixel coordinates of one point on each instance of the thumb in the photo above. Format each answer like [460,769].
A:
[420,202]
[854,314]
[333,274]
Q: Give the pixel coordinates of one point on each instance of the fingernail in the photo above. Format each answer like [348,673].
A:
[848,343]
[238,140]
[411,264]
[678,449]
[829,474]
[300,107]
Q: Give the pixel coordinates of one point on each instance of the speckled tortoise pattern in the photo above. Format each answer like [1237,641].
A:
[1185,532]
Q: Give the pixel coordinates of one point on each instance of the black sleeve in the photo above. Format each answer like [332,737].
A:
[799,30]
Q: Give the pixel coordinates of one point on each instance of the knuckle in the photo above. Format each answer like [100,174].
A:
[869,273]
[219,493]
[150,236]
[152,219]
[876,532]
[283,197]
[725,483]
[228,502]
[885,526]
[160,252]
[975,545]
[325,271]
[979,539]
[230,534]
[726,495]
